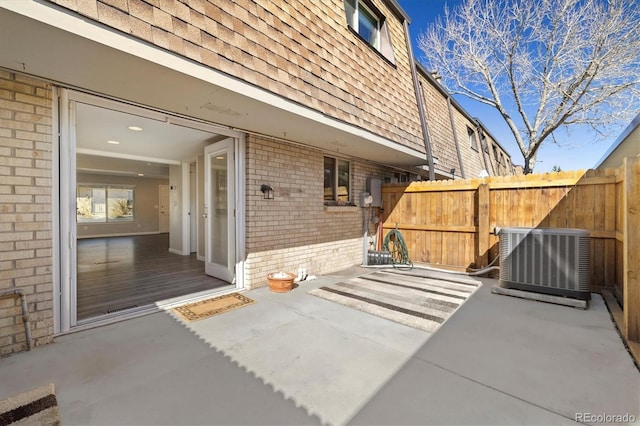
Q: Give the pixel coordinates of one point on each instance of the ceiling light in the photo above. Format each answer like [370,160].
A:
[140,174]
[220,158]
[135,128]
[114,142]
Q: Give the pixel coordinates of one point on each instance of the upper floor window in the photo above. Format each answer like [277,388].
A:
[366,23]
[369,23]
[473,142]
[337,181]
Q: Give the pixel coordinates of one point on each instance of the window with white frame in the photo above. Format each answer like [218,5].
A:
[369,23]
[337,181]
[103,203]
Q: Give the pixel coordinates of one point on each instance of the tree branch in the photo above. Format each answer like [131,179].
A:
[543,65]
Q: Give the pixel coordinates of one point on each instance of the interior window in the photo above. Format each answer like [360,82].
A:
[100,204]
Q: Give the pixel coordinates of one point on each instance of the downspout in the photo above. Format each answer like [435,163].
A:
[455,137]
[416,87]
[25,311]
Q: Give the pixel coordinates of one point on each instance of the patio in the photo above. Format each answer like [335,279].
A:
[297,359]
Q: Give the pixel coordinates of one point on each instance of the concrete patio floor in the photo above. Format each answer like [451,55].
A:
[297,359]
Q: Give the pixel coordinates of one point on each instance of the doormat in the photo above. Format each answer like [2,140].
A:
[418,299]
[214,306]
[36,407]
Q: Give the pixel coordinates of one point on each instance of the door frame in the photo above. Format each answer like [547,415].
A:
[65,233]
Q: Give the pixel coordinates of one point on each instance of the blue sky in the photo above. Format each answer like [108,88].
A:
[579,150]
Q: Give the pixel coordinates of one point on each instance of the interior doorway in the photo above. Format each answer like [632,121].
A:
[132,198]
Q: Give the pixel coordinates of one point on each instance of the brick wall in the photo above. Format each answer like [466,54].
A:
[295,229]
[25,209]
[301,50]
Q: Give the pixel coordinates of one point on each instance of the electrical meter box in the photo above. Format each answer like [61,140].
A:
[374,187]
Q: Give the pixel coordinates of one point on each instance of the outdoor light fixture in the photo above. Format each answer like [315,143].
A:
[267,191]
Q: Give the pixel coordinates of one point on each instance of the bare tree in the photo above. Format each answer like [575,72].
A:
[543,64]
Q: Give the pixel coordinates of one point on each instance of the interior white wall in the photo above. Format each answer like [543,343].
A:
[180,221]
[193,208]
[186,205]
[175,209]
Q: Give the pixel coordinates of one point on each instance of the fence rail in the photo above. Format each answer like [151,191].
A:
[452,223]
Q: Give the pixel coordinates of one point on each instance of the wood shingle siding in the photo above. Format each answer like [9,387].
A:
[442,136]
[305,53]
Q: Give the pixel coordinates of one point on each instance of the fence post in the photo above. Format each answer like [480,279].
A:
[631,249]
[483,225]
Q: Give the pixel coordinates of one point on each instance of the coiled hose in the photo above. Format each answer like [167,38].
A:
[395,244]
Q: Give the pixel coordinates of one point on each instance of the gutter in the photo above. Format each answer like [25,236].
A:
[416,87]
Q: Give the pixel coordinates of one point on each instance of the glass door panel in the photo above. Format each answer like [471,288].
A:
[219,210]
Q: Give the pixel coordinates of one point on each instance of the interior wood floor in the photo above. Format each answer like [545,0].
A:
[120,273]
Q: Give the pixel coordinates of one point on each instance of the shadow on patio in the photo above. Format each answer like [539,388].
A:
[297,359]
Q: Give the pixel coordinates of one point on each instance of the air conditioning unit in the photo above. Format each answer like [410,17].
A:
[545,260]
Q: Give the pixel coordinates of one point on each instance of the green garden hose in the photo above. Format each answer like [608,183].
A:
[395,244]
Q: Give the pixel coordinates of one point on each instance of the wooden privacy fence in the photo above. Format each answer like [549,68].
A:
[451,223]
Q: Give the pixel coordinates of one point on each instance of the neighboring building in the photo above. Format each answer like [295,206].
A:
[244,130]
[462,146]
[627,145]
